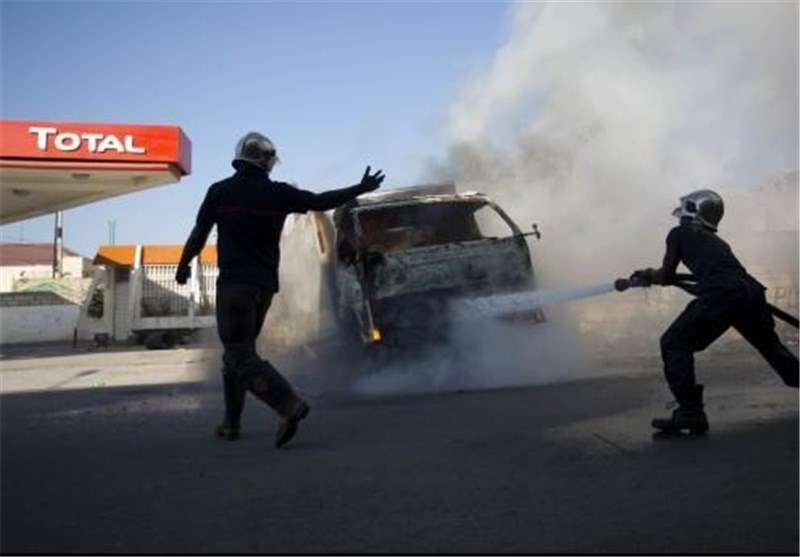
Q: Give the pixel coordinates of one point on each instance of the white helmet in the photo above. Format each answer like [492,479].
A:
[257,149]
[703,207]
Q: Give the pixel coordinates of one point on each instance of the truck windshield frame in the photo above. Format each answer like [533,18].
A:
[415,224]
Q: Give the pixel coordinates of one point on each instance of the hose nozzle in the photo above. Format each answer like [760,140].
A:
[622,284]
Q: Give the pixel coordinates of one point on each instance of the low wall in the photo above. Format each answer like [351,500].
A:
[36,317]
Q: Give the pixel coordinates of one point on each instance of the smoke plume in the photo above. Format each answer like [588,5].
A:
[592,120]
[594,117]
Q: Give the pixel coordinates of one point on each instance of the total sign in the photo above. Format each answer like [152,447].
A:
[94,143]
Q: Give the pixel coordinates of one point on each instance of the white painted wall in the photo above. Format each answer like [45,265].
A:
[12,275]
[38,323]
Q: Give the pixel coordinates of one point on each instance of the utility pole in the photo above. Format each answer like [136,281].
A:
[112,231]
[58,247]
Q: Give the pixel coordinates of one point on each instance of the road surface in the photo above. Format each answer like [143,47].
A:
[111,451]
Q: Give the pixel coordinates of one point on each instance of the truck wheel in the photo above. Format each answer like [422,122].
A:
[170,339]
[152,341]
[160,340]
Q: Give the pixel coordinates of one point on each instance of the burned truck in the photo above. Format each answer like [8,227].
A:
[402,256]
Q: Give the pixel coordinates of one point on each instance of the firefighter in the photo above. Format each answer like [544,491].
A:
[727,296]
[249,210]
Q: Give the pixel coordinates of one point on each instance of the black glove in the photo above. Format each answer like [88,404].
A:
[183,273]
[371,182]
[643,277]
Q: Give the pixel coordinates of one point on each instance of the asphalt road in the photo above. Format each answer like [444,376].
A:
[113,452]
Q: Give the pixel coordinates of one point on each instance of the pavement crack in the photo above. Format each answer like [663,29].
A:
[617,446]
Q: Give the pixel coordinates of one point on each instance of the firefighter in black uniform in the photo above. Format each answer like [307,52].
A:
[249,210]
[727,296]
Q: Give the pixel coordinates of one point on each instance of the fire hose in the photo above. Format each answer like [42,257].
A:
[687,283]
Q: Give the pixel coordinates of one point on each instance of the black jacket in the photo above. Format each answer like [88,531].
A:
[249,210]
[708,257]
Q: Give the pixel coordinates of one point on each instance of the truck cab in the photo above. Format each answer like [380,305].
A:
[402,255]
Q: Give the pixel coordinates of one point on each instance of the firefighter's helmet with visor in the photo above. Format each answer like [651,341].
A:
[257,149]
[703,207]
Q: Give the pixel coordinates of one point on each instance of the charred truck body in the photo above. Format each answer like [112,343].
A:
[402,255]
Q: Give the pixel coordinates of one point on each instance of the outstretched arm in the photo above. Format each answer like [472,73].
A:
[334,198]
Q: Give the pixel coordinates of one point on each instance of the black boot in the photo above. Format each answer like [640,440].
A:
[288,423]
[689,414]
[273,389]
[235,392]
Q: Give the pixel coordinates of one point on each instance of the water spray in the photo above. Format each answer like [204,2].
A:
[518,304]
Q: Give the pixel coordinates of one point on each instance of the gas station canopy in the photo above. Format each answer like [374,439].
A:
[50,166]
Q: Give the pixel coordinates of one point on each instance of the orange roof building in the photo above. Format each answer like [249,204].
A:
[125,255]
[141,297]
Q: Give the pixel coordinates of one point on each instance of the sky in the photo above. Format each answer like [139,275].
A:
[591,118]
[336,85]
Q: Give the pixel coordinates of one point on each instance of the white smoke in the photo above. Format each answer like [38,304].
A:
[487,353]
[592,120]
[594,117]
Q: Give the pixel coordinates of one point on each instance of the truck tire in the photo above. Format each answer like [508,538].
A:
[160,340]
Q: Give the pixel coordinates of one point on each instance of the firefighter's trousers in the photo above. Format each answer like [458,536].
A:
[737,302]
[241,310]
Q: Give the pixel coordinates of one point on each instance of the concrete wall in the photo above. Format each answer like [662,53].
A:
[36,317]
[10,275]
